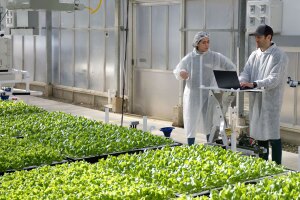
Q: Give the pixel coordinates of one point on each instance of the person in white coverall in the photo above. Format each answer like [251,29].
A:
[266,67]
[197,69]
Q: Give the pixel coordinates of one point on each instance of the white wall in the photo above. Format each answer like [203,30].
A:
[291,16]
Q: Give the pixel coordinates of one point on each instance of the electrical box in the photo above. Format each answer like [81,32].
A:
[264,12]
[10,21]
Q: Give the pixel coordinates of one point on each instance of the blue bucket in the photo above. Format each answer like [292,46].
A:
[4,97]
[7,89]
[167,131]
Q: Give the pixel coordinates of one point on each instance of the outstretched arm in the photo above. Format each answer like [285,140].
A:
[181,71]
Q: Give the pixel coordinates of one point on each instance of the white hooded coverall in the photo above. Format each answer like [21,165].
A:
[268,69]
[197,109]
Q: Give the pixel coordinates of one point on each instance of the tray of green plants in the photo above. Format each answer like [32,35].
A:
[77,136]
[208,193]
[283,187]
[194,169]
[159,174]
[72,137]
[16,154]
[78,180]
[18,107]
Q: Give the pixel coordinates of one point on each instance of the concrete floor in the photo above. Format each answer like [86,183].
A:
[289,160]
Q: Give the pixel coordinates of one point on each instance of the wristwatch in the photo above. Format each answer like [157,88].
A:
[254,84]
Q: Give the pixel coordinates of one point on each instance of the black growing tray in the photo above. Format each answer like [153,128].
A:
[34,167]
[207,192]
[94,159]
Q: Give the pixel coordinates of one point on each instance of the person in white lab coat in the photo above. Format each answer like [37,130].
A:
[196,68]
[266,67]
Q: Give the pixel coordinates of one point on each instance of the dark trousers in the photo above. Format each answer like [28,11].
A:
[276,150]
[191,141]
[207,137]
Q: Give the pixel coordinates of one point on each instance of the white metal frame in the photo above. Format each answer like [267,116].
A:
[14,72]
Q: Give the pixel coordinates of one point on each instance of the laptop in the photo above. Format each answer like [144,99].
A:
[228,80]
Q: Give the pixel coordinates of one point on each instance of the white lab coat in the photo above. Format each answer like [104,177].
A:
[268,69]
[197,108]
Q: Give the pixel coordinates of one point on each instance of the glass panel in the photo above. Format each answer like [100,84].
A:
[174,36]
[97,53]
[67,19]
[251,44]
[234,47]
[55,19]
[67,58]
[123,12]
[42,19]
[43,32]
[18,52]
[288,104]
[97,19]
[29,55]
[236,14]
[110,13]
[219,44]
[296,65]
[55,55]
[189,41]
[158,103]
[195,14]
[82,17]
[81,58]
[159,36]
[143,36]
[110,60]
[41,59]
[224,17]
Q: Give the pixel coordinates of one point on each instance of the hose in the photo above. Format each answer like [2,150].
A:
[93,11]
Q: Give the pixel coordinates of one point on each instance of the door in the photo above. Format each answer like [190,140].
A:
[156,52]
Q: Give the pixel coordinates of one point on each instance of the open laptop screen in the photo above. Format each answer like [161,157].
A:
[227,79]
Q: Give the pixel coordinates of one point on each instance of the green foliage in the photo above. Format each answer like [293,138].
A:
[278,188]
[156,174]
[160,174]
[20,153]
[16,108]
[192,169]
[78,181]
[65,135]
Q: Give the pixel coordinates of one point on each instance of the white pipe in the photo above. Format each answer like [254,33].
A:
[236,117]
[233,141]
[298,158]
[238,94]
[230,115]
[144,123]
[27,86]
[109,96]
[106,115]
[151,128]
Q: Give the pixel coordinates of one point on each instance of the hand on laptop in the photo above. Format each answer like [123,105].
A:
[247,85]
